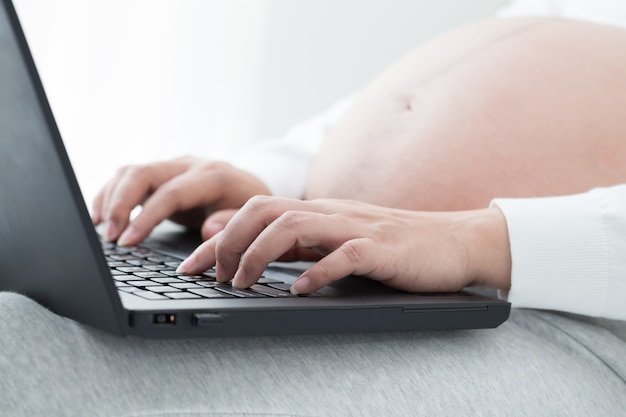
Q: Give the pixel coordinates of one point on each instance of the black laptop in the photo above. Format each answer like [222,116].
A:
[50,251]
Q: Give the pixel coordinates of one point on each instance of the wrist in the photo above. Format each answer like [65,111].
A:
[488,249]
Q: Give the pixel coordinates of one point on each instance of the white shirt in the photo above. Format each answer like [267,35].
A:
[568,253]
[610,12]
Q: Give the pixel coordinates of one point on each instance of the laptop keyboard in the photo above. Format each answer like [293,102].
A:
[152,275]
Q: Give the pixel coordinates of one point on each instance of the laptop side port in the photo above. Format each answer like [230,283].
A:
[164,318]
[206,319]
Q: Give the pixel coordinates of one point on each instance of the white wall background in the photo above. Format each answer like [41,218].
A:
[132,81]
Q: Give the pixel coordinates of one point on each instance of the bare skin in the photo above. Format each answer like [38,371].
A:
[501,108]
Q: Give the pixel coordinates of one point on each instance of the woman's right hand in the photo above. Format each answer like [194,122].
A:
[187,190]
[409,250]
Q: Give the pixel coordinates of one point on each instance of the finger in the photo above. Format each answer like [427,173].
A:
[131,186]
[126,193]
[96,208]
[246,225]
[216,222]
[111,229]
[201,259]
[183,192]
[354,257]
[301,229]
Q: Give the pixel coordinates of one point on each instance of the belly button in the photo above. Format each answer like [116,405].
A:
[406,103]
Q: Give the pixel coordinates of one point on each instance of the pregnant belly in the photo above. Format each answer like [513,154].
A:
[501,108]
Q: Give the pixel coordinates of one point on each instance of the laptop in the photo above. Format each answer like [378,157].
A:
[51,252]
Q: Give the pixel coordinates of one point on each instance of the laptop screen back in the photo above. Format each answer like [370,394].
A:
[48,248]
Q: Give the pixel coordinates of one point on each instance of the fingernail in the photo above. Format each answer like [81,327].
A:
[130,236]
[301,286]
[110,231]
[239,280]
[187,265]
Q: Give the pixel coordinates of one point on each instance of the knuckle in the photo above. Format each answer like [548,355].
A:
[215,167]
[221,239]
[170,194]
[137,172]
[225,241]
[323,272]
[352,251]
[290,220]
[258,203]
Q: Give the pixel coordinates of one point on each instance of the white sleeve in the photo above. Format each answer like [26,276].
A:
[609,12]
[283,165]
[569,253]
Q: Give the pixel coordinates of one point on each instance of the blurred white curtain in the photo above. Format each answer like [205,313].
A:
[140,80]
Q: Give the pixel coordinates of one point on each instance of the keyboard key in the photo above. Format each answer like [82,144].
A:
[142,283]
[163,288]
[143,253]
[132,269]
[210,293]
[280,286]
[121,257]
[265,280]
[194,278]
[124,277]
[171,273]
[142,263]
[150,295]
[122,250]
[208,284]
[182,295]
[117,264]
[116,272]
[163,259]
[186,285]
[228,289]
[149,274]
[167,271]
[155,267]
[167,280]
[270,292]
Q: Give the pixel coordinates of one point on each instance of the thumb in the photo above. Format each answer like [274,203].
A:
[216,222]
